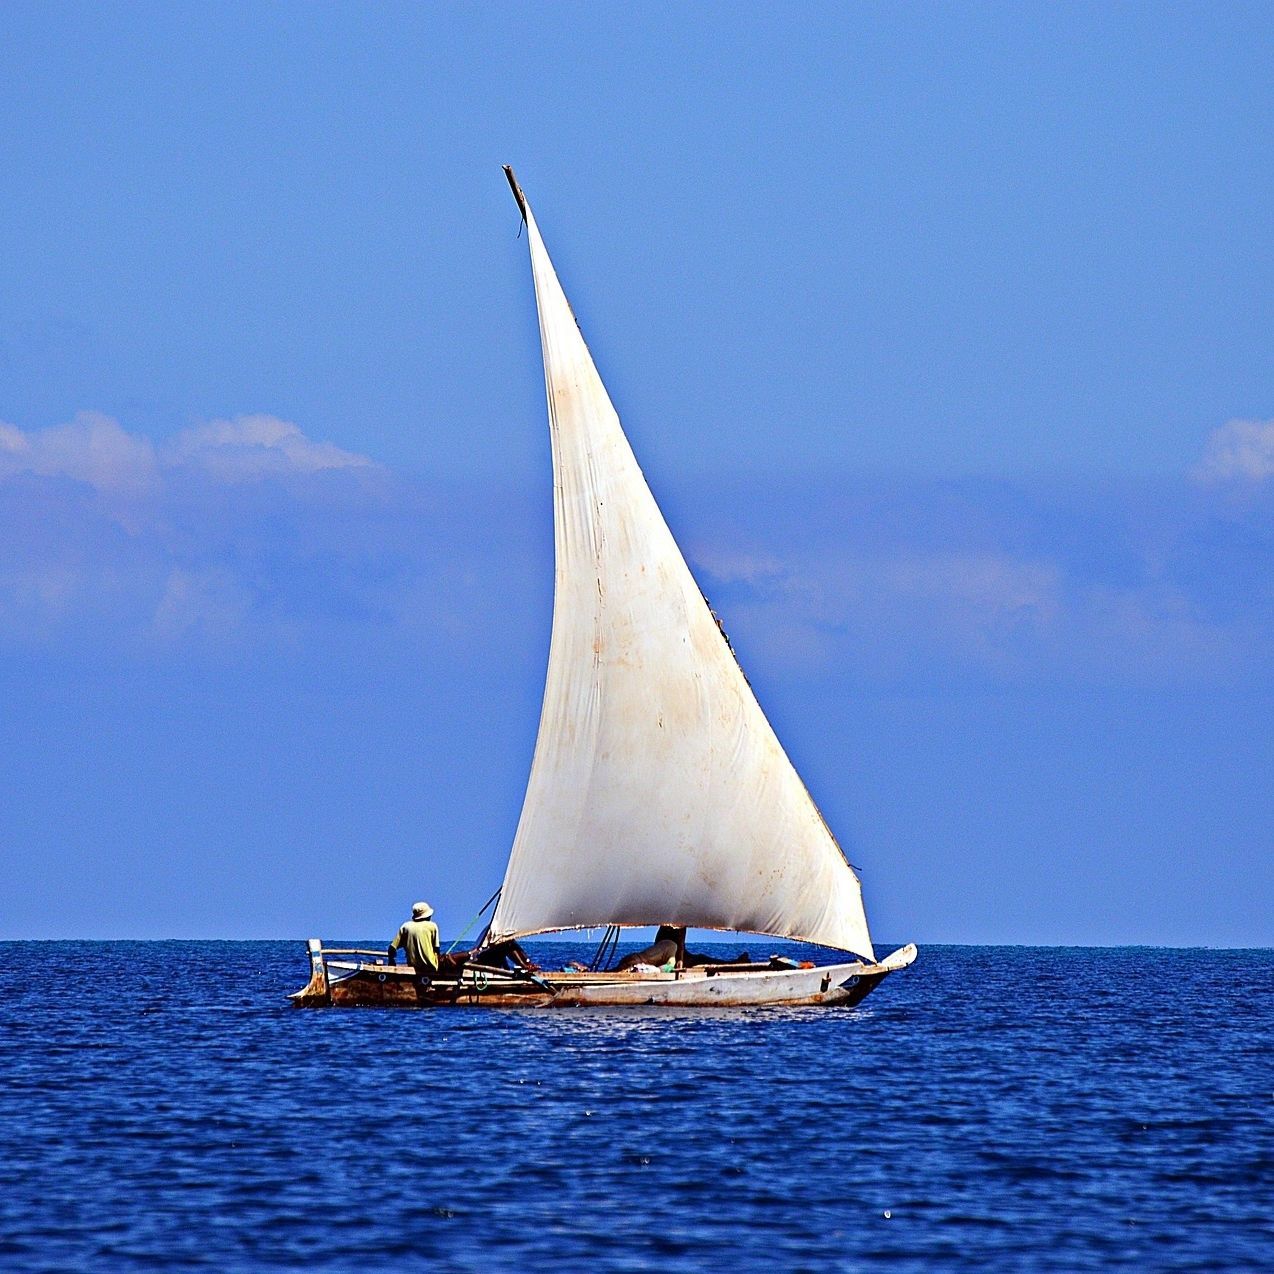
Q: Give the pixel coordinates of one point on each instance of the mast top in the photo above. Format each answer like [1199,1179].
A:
[517,190]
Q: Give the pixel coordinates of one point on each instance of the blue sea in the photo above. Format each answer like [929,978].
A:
[992,1108]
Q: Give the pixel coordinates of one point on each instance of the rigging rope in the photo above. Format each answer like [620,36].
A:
[611,937]
[474,921]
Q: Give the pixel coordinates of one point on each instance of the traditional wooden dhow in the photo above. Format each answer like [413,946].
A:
[343,983]
[659,793]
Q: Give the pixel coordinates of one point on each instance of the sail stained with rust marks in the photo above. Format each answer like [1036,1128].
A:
[658,791]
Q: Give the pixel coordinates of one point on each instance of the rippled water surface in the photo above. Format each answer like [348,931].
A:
[162,1107]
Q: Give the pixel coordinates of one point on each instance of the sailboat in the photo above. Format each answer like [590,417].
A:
[658,793]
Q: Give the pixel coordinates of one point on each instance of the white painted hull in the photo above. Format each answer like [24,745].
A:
[823,984]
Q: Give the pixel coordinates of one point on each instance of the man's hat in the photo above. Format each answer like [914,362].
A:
[421,911]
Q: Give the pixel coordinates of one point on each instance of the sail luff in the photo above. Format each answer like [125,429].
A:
[658,792]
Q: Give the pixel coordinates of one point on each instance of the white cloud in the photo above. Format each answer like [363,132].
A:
[249,448]
[984,585]
[730,567]
[1094,611]
[92,449]
[1240,449]
[221,535]
[108,531]
[96,450]
[974,590]
[13,442]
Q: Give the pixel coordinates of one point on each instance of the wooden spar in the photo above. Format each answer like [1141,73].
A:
[517,190]
[506,975]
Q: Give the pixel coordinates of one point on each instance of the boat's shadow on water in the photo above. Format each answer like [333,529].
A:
[583,1020]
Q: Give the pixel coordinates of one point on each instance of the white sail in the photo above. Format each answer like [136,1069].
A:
[658,791]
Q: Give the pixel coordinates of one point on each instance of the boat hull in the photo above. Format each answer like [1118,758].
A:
[339,984]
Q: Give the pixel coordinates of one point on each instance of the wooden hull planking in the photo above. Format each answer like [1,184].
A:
[339,984]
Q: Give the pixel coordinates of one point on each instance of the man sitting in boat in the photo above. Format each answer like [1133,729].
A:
[505,955]
[419,939]
[663,954]
[668,952]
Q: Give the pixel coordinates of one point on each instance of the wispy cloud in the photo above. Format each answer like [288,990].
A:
[92,448]
[249,448]
[95,449]
[108,533]
[999,583]
[1240,450]
[246,532]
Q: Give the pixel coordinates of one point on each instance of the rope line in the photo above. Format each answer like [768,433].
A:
[474,921]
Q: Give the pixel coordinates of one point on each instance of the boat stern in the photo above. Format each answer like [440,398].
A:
[318,989]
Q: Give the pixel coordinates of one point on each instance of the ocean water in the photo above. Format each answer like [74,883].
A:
[163,1108]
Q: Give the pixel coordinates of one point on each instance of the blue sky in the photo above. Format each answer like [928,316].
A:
[943,340]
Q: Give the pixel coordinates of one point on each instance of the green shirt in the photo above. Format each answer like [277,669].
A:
[419,939]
